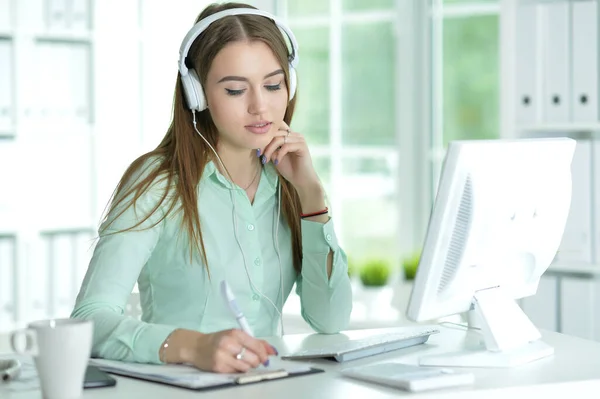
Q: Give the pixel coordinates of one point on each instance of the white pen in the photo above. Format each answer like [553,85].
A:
[235,309]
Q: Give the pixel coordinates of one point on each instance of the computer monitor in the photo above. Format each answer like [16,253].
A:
[496,225]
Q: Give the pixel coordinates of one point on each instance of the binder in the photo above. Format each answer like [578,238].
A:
[46,82]
[576,244]
[584,95]
[64,85]
[6,84]
[63,94]
[556,81]
[78,18]
[78,62]
[541,308]
[56,14]
[38,288]
[527,65]
[5,14]
[186,376]
[595,211]
[7,279]
[61,275]
[577,294]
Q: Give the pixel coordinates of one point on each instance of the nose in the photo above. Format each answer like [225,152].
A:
[258,103]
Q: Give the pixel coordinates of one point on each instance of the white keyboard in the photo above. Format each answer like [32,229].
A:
[373,345]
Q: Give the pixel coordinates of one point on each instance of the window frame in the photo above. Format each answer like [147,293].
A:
[438,13]
[419,149]
[410,20]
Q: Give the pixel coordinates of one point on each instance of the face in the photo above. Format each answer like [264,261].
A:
[246,95]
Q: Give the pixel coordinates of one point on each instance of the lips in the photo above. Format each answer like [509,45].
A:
[261,127]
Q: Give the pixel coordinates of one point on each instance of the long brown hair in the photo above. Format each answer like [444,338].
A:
[180,158]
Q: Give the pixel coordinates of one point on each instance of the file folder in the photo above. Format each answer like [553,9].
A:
[79,81]
[537,307]
[557,38]
[584,95]
[61,275]
[79,15]
[6,87]
[577,294]
[576,244]
[56,14]
[38,305]
[595,214]
[7,280]
[527,65]
[5,15]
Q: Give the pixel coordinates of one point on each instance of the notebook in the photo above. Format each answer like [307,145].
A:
[187,376]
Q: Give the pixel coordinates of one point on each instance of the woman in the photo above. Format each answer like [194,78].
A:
[230,194]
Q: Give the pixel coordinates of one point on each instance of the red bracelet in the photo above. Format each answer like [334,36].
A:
[319,213]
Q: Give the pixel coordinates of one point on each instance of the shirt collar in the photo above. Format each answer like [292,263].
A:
[269,176]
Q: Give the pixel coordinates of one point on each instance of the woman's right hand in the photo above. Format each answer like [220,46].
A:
[218,352]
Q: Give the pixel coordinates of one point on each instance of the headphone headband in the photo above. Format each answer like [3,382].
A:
[201,26]
[192,88]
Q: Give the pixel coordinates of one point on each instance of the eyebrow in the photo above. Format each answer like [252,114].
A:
[242,79]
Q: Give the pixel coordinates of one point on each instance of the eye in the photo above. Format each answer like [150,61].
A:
[273,87]
[234,92]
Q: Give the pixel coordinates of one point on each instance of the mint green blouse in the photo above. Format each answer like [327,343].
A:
[177,293]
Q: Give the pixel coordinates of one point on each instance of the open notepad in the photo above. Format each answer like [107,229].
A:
[189,377]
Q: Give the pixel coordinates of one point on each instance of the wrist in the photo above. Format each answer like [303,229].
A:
[312,200]
[312,197]
[181,346]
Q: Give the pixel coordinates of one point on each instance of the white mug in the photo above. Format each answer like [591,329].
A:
[61,349]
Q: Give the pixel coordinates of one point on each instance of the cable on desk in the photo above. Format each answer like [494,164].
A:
[464,326]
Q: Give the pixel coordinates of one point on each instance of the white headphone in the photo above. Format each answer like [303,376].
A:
[196,102]
[192,87]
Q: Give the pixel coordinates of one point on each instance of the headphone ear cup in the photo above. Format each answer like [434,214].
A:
[192,88]
[293,82]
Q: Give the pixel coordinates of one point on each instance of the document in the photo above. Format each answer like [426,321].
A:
[188,376]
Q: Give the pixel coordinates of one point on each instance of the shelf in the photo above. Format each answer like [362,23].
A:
[574,270]
[36,128]
[69,230]
[6,135]
[64,36]
[561,128]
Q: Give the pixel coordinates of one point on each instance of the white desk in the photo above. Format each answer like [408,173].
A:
[574,371]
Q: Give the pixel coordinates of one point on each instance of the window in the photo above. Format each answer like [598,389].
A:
[347,109]
[471,78]
[351,55]
[466,65]
[312,116]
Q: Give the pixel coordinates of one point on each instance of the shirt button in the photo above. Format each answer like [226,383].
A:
[257,261]
[250,227]
[328,237]
[255,297]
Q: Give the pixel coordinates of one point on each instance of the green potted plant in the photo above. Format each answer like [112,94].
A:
[410,265]
[375,273]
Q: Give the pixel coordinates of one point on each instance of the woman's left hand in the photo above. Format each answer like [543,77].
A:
[289,153]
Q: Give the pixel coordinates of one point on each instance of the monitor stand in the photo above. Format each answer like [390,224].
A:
[507,337]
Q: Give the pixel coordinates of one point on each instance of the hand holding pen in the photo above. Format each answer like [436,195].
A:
[233,350]
[236,311]
[229,351]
